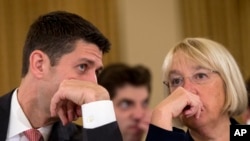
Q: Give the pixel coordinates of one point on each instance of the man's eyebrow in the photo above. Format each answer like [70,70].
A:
[126,100]
[91,62]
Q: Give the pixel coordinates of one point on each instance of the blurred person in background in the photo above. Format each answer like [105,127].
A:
[129,88]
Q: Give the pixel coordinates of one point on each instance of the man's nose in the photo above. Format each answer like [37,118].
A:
[138,112]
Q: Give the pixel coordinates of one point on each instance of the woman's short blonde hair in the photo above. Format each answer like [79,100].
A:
[214,56]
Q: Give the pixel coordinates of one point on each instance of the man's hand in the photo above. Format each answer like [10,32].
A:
[71,94]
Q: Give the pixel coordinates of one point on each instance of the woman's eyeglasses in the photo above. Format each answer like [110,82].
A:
[198,77]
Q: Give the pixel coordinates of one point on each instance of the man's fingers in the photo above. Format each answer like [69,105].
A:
[62,114]
[55,103]
[78,111]
[74,93]
[70,111]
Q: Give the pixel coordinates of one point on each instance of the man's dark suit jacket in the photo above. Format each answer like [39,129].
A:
[70,132]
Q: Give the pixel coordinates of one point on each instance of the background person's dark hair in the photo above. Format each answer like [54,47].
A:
[55,34]
[117,75]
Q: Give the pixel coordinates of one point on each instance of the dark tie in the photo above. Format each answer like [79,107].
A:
[33,135]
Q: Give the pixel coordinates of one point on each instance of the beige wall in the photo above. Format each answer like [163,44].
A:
[147,30]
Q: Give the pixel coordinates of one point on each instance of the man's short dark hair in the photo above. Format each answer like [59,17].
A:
[55,34]
[117,75]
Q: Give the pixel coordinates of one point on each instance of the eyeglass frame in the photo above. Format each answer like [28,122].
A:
[190,78]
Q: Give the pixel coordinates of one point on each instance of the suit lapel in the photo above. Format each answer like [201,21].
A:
[70,132]
[5,102]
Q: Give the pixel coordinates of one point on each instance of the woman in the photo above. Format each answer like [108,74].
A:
[206,90]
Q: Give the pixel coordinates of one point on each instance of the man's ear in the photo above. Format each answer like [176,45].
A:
[39,63]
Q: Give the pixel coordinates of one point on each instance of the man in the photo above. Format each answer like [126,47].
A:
[129,88]
[61,58]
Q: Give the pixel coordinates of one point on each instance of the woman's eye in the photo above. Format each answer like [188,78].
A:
[201,76]
[176,81]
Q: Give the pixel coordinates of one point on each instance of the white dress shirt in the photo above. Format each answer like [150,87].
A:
[94,114]
[19,123]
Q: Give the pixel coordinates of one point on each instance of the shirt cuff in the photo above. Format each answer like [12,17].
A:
[98,113]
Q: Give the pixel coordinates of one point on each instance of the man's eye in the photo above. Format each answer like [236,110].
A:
[145,104]
[97,72]
[124,105]
[82,67]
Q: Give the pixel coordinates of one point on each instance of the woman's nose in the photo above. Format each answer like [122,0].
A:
[188,84]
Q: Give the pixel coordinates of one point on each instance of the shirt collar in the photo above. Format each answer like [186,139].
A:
[18,119]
